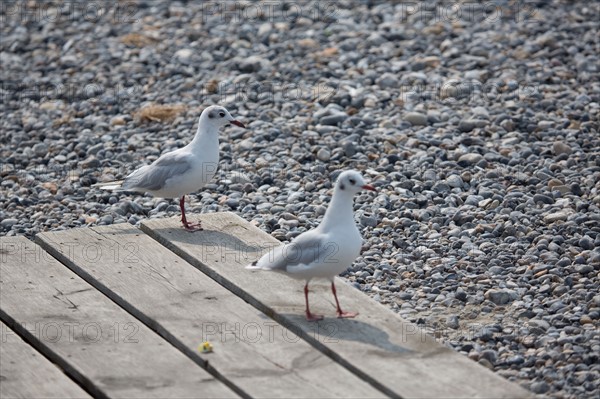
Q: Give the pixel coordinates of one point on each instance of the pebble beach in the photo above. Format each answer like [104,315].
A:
[477,122]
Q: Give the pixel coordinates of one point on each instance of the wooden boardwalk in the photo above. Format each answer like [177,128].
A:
[116,311]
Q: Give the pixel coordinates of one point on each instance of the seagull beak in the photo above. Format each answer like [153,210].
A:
[237,123]
[368,187]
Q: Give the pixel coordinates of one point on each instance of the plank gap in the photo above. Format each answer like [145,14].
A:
[82,381]
[132,310]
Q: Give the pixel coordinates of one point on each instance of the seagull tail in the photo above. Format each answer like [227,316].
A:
[110,186]
[254,266]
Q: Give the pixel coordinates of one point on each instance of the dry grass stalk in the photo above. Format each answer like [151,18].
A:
[159,113]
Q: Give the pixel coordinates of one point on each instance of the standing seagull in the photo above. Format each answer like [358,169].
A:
[184,170]
[325,251]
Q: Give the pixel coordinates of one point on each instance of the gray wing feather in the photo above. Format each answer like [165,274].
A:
[154,177]
[302,251]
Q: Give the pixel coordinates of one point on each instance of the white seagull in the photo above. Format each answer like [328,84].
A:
[326,250]
[184,170]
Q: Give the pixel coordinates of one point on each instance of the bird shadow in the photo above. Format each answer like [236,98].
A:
[226,243]
[332,330]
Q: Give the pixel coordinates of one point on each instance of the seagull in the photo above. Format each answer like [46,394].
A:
[326,250]
[184,170]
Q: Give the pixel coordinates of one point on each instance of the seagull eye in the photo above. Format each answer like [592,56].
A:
[352,181]
[222,114]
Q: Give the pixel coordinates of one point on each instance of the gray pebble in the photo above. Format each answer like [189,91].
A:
[334,119]
[454,181]
[469,159]
[561,148]
[452,322]
[467,125]
[586,242]
[370,221]
[416,118]
[539,387]
[8,223]
[323,155]
[501,296]
[387,80]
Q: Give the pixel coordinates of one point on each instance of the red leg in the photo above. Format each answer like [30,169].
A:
[310,316]
[341,314]
[186,225]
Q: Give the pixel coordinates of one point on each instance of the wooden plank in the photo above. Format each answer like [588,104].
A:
[186,307]
[25,373]
[98,344]
[378,345]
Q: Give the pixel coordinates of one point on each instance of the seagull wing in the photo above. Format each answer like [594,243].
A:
[306,251]
[154,177]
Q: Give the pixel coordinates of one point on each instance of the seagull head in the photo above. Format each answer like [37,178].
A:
[352,182]
[218,116]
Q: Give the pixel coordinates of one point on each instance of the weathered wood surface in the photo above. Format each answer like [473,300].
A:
[25,373]
[185,306]
[98,344]
[378,345]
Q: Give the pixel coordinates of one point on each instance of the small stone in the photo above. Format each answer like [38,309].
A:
[469,159]
[539,387]
[485,334]
[308,42]
[107,219]
[387,80]
[461,295]
[184,53]
[349,148]
[90,162]
[246,144]
[416,118]
[539,323]
[40,149]
[50,186]
[554,183]
[452,322]
[332,120]
[576,189]
[117,121]
[584,269]
[323,155]
[49,105]
[441,187]
[501,296]
[473,200]
[545,199]
[264,206]
[467,125]
[454,181]
[556,216]
[490,355]
[480,112]
[8,223]
[545,125]
[560,148]
[562,189]
[367,220]
[250,64]
[232,203]
[586,242]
